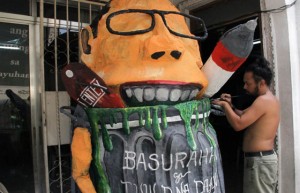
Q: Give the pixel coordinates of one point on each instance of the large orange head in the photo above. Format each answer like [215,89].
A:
[144,51]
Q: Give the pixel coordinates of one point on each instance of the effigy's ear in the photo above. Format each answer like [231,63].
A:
[85,35]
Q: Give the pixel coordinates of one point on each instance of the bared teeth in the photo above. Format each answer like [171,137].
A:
[128,92]
[138,93]
[162,94]
[159,93]
[185,94]
[149,94]
[175,95]
[193,94]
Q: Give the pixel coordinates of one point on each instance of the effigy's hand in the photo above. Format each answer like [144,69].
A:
[81,159]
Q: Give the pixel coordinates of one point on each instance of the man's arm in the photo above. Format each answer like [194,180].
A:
[227,97]
[238,111]
[240,120]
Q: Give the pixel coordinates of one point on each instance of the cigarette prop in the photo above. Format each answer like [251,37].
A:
[229,54]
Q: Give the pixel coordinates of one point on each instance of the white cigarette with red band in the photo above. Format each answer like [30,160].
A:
[231,51]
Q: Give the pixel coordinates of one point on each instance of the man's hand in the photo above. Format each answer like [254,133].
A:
[223,100]
[226,97]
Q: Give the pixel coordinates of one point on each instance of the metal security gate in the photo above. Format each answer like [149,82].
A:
[60,22]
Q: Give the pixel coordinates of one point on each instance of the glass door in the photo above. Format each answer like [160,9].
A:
[16,158]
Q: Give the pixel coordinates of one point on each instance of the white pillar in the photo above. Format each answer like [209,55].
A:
[284,54]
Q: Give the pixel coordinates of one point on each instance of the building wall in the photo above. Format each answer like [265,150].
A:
[284,42]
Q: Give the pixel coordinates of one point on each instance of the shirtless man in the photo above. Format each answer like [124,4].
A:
[261,121]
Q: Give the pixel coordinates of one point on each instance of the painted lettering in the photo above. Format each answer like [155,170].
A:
[154,162]
[90,95]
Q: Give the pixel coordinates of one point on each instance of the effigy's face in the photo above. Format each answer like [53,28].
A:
[137,55]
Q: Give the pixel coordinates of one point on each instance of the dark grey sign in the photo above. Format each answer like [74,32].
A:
[14,54]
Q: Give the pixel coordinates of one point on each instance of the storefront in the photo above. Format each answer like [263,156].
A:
[39,37]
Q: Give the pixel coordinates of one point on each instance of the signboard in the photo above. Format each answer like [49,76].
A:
[14,54]
[14,57]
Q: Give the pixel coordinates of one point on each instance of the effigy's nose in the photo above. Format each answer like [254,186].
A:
[174,53]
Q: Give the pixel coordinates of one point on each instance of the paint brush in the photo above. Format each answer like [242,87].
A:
[234,96]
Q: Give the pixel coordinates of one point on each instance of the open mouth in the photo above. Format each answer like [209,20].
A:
[149,94]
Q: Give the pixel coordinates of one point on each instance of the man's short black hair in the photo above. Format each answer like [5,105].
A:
[260,67]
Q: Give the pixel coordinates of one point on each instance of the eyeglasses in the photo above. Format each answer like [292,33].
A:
[125,22]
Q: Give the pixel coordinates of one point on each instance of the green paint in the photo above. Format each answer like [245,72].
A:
[197,119]
[125,123]
[149,118]
[101,182]
[141,119]
[163,114]
[186,111]
[157,134]
[206,126]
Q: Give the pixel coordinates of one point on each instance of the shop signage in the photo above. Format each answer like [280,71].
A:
[14,54]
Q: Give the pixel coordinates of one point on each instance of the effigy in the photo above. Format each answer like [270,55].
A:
[141,87]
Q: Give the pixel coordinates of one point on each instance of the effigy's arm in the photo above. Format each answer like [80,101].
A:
[81,159]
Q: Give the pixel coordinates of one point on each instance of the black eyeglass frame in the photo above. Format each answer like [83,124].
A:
[151,13]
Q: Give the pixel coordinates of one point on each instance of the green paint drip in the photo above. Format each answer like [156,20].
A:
[111,120]
[186,111]
[211,140]
[105,135]
[164,117]
[157,134]
[126,123]
[210,126]
[114,118]
[148,118]
[102,185]
[197,120]
[106,138]
[141,119]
